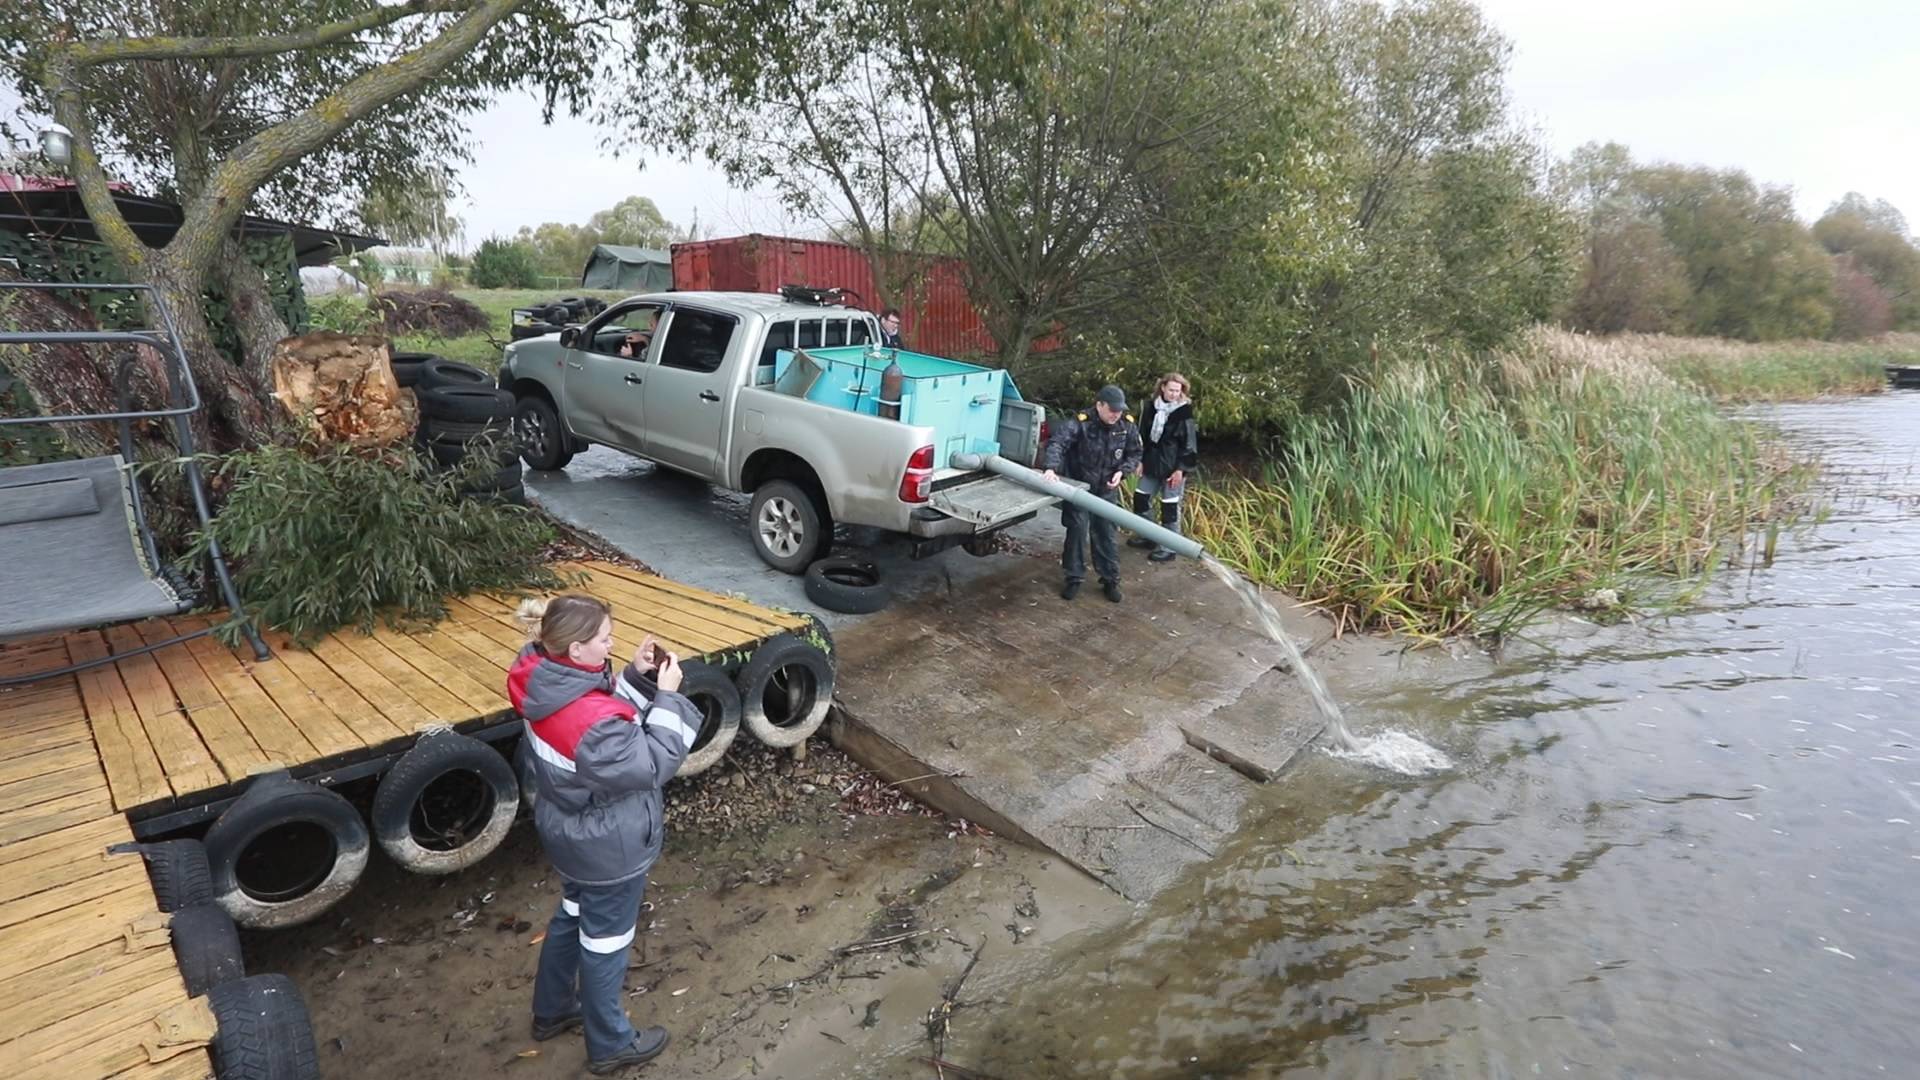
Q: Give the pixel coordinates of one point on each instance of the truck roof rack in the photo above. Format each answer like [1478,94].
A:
[808,294]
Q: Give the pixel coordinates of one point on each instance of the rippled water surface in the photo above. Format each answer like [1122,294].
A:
[1684,848]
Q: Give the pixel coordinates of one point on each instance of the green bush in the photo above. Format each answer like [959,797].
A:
[345,313]
[328,536]
[503,264]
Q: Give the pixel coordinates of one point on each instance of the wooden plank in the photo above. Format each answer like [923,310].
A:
[233,746]
[280,743]
[120,875]
[90,837]
[478,699]
[52,938]
[40,762]
[188,762]
[85,981]
[700,635]
[359,715]
[192,1065]
[302,708]
[80,856]
[731,603]
[627,631]
[133,768]
[428,692]
[485,669]
[84,778]
[34,740]
[98,1042]
[19,823]
[690,604]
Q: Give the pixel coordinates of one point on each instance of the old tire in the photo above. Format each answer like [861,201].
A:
[532,330]
[445,805]
[179,872]
[262,1031]
[536,428]
[786,690]
[406,366]
[790,527]
[718,700]
[848,584]
[439,371]
[206,945]
[465,409]
[284,853]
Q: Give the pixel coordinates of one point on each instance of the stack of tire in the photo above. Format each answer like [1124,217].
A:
[459,404]
[550,317]
[262,1029]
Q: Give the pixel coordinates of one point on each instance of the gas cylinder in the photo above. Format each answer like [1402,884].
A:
[893,382]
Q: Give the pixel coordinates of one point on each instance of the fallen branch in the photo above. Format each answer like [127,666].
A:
[1116,828]
[943,1066]
[926,776]
[879,943]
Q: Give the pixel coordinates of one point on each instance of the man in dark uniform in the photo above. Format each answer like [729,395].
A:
[1100,448]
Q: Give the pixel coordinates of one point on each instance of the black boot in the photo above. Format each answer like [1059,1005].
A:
[1112,589]
[1070,590]
[1143,507]
[1170,520]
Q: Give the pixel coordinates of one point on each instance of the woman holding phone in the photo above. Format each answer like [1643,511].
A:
[599,749]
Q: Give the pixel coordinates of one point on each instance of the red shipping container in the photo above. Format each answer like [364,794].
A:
[939,318]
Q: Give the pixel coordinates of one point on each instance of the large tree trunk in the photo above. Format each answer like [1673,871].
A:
[250,306]
[79,379]
[235,412]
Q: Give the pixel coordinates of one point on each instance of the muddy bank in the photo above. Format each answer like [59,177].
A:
[789,936]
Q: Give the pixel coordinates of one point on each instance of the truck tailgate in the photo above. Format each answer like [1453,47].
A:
[988,501]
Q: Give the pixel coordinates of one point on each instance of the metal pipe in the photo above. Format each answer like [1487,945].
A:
[1084,500]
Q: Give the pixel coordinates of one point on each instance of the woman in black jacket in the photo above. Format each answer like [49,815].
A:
[1172,442]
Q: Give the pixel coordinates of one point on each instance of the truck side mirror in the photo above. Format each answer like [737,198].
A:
[569,337]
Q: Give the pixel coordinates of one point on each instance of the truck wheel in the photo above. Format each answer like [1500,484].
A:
[718,700]
[179,872]
[847,584]
[789,528]
[786,690]
[536,425]
[206,947]
[285,852]
[262,1031]
[445,805]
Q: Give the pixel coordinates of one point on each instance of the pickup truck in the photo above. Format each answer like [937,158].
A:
[780,397]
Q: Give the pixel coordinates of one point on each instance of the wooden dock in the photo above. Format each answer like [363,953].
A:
[88,985]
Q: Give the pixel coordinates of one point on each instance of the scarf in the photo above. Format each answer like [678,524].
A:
[1162,408]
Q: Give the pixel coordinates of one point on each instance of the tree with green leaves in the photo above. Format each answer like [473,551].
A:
[503,264]
[1873,235]
[414,213]
[215,103]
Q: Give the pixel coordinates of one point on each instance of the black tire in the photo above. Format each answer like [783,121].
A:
[718,700]
[180,874]
[559,313]
[206,945]
[786,690]
[445,805]
[848,584]
[790,528]
[262,1031]
[533,330]
[575,305]
[474,406]
[439,371]
[284,853]
[406,366]
[536,428]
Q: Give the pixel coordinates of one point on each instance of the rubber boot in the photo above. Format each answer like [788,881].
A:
[1143,507]
[1169,520]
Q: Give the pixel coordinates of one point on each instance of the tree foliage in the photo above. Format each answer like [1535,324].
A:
[503,264]
[561,250]
[1873,235]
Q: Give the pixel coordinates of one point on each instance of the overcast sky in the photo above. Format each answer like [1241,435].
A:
[1823,97]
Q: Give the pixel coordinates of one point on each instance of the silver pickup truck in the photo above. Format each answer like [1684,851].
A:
[782,398]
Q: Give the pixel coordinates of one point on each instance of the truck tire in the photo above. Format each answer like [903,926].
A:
[445,805]
[718,700]
[179,872]
[285,852]
[847,584]
[262,1031]
[460,408]
[206,946]
[786,690]
[790,529]
[439,371]
[536,427]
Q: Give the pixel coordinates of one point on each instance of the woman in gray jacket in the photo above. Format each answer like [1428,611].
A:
[600,750]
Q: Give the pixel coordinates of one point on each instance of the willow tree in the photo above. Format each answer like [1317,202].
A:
[236,106]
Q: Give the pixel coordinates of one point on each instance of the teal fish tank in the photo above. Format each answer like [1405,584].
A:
[962,403]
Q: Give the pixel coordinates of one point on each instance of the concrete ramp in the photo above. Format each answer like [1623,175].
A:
[1123,737]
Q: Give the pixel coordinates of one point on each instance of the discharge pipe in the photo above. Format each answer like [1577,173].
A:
[1084,500]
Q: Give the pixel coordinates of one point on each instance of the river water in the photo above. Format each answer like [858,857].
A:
[1685,848]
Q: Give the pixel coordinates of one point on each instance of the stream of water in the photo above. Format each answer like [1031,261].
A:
[1684,848]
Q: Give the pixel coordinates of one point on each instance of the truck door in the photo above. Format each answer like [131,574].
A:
[688,390]
[604,389]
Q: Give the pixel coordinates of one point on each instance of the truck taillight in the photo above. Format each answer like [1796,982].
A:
[918,480]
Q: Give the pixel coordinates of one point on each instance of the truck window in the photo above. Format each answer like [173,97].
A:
[779,336]
[836,332]
[696,340]
[858,332]
[810,334]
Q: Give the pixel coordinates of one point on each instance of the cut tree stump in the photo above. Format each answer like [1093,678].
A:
[341,387]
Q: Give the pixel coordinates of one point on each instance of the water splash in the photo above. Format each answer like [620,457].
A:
[1396,751]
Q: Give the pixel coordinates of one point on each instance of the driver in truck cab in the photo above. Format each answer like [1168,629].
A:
[1100,448]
